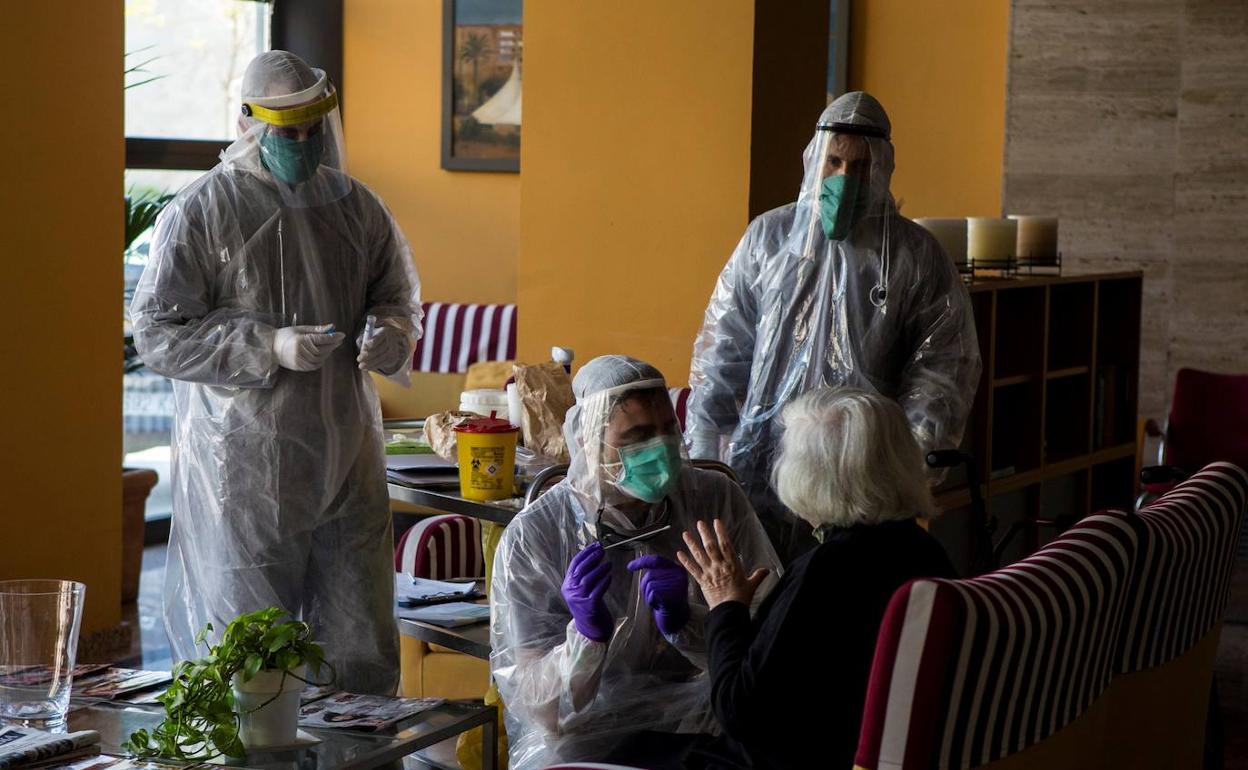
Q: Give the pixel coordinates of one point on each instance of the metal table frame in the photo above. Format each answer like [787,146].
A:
[471,640]
[446,498]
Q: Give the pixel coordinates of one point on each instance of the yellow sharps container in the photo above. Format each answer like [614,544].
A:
[487,458]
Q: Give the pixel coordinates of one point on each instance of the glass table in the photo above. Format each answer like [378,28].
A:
[335,749]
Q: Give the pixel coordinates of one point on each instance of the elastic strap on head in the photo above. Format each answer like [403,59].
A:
[293,116]
[854,130]
[638,385]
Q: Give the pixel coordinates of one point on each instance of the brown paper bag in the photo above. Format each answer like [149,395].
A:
[546,396]
[440,433]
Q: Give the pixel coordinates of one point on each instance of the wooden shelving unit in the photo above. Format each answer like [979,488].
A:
[1054,423]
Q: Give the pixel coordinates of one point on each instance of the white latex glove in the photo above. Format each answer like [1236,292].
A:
[384,348]
[305,348]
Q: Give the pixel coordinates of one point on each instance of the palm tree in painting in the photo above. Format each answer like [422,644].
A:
[473,50]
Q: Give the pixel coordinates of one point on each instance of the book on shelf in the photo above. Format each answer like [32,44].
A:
[22,747]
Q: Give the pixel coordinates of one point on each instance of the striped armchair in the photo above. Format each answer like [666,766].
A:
[1159,697]
[1002,670]
[440,548]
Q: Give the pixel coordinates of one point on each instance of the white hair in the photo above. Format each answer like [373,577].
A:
[848,457]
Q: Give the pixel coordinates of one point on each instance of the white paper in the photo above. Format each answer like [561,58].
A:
[408,587]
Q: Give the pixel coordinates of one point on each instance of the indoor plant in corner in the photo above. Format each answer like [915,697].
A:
[243,694]
[141,211]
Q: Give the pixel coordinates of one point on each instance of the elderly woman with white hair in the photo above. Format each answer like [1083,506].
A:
[788,686]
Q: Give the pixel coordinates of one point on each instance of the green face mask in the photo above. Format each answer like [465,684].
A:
[651,468]
[842,201]
[290,160]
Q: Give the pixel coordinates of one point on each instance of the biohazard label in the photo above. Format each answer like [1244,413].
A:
[485,466]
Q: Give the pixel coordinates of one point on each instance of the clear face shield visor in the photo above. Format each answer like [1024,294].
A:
[632,450]
[300,142]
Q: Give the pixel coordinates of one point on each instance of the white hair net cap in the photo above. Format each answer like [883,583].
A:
[278,73]
[857,108]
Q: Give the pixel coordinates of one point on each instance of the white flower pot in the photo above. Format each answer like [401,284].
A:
[268,708]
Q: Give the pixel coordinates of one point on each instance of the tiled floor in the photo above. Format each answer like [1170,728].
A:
[1231,667]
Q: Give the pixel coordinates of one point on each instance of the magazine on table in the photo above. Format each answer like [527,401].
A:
[33,676]
[28,747]
[108,762]
[114,683]
[362,712]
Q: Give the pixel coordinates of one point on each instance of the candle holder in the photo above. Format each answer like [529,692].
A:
[977,269]
[1041,267]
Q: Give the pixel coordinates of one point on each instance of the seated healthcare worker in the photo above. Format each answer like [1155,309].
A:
[788,686]
[597,634]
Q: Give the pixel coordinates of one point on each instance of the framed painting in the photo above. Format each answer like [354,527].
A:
[482,46]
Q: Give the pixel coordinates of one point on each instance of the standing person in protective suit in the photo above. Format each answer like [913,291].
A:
[835,289]
[276,283]
[600,650]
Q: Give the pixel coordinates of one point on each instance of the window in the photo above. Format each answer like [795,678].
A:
[185,61]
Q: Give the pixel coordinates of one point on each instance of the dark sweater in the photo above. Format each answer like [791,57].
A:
[788,688]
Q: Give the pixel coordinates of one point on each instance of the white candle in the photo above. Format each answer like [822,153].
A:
[1037,239]
[950,233]
[990,238]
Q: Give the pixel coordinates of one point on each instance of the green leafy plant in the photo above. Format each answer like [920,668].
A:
[138,70]
[201,717]
[141,210]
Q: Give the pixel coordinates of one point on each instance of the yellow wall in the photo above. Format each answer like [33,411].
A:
[61,209]
[463,226]
[636,160]
[938,67]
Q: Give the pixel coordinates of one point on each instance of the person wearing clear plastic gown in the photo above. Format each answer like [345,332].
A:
[567,696]
[836,288]
[276,282]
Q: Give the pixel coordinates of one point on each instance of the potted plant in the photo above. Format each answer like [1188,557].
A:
[141,211]
[243,694]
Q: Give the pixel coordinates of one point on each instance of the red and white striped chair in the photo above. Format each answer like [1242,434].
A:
[1003,670]
[458,335]
[1159,697]
[440,548]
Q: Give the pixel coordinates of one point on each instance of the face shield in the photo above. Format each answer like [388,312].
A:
[624,439]
[296,140]
[845,196]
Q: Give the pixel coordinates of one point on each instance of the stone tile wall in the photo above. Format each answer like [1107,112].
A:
[1129,120]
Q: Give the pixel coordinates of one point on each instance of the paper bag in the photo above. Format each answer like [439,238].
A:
[546,396]
[440,433]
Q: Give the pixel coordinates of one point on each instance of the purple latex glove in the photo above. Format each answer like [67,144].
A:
[665,585]
[586,581]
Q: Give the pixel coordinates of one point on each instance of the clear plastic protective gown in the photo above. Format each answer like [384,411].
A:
[279,489]
[568,698]
[883,309]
